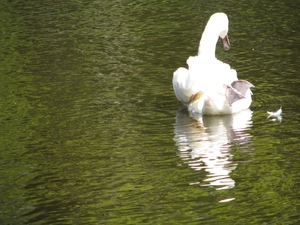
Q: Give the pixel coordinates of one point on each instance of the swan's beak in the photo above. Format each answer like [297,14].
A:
[226,43]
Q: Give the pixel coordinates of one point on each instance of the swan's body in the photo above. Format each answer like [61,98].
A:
[210,86]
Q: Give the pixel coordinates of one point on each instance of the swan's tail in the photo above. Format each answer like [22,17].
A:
[181,86]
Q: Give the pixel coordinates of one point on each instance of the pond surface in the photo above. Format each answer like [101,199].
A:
[92,133]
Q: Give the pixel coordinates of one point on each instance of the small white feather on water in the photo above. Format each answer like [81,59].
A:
[275,114]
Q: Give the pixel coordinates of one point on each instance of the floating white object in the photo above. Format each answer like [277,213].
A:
[227,200]
[275,114]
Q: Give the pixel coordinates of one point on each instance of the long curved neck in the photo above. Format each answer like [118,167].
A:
[207,46]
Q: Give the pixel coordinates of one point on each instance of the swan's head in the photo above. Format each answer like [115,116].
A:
[216,27]
[219,23]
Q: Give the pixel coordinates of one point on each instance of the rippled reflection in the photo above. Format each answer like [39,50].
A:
[205,144]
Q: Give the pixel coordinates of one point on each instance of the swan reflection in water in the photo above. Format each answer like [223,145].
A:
[204,143]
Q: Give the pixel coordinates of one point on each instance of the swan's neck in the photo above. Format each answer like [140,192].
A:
[207,46]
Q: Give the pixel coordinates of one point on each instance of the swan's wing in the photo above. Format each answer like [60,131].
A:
[242,86]
[237,90]
[233,96]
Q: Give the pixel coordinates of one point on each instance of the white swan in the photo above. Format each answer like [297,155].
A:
[209,86]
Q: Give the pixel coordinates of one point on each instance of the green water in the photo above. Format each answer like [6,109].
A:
[92,133]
